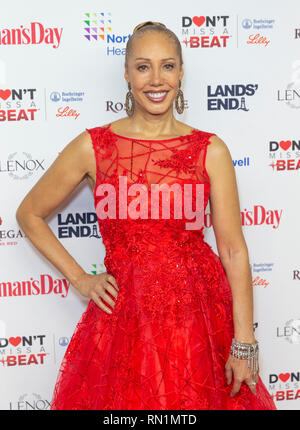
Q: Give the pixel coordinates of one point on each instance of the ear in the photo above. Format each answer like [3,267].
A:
[126,75]
[181,73]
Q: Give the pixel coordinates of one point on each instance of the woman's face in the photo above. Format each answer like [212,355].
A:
[154,72]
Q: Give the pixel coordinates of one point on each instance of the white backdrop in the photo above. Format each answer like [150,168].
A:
[61,71]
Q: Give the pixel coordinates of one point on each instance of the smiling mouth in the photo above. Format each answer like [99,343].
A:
[156,97]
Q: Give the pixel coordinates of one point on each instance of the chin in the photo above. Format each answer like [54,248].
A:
[157,110]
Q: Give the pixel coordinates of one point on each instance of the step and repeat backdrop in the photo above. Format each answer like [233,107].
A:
[61,71]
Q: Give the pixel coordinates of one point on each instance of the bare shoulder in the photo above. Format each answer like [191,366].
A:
[84,144]
[81,145]
[80,152]
[218,155]
[217,147]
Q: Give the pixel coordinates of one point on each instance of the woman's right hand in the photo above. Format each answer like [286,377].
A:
[95,287]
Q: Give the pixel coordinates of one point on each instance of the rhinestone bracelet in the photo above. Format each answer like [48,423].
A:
[247,351]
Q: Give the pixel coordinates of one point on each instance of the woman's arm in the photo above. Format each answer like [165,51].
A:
[73,164]
[232,248]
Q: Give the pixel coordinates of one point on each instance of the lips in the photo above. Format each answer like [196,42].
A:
[156,96]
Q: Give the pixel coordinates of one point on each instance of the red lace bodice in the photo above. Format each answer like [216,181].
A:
[178,160]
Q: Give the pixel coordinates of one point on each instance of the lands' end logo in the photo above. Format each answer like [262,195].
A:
[230,97]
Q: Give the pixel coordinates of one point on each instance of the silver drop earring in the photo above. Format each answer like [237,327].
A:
[179,100]
[129,102]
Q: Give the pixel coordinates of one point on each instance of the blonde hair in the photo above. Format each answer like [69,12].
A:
[143,27]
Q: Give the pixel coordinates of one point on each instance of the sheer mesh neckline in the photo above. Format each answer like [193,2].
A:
[193,131]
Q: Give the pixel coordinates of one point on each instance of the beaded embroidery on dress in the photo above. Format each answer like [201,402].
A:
[168,338]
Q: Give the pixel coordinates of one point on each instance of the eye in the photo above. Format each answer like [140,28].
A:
[169,68]
[139,67]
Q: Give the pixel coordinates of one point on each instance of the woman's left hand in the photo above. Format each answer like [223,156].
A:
[239,370]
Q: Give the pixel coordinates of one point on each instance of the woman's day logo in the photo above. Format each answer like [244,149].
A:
[35,34]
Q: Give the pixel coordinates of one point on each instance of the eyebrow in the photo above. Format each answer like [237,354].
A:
[148,59]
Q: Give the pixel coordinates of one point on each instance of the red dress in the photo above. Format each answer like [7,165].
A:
[168,338]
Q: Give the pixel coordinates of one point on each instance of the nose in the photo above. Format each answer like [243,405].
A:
[156,78]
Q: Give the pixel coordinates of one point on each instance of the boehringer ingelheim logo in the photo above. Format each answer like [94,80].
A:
[247,23]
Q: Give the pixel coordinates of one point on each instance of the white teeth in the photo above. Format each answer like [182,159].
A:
[157,95]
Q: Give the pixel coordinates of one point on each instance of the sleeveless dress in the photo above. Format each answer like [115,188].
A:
[166,342]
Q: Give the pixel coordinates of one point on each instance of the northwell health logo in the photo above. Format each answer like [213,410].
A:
[98,26]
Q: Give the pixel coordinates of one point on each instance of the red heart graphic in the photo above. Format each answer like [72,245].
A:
[15,340]
[199,20]
[285,144]
[284,376]
[4,94]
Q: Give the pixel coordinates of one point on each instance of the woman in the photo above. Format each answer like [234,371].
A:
[166,322]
